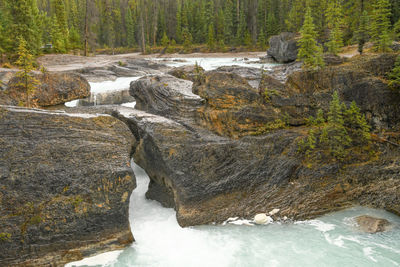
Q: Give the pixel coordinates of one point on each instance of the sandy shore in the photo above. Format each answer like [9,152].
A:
[54,62]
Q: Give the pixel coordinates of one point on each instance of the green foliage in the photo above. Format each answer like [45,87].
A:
[380,25]
[334,15]
[310,52]
[210,37]
[26,80]
[187,39]
[334,138]
[272,126]
[165,40]
[5,237]
[362,32]
[394,75]
[396,30]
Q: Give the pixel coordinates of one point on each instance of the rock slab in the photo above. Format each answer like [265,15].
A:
[65,183]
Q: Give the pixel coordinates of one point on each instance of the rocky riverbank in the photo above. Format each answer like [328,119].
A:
[215,144]
[210,163]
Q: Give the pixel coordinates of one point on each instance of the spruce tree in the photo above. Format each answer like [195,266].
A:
[165,40]
[57,37]
[25,62]
[62,21]
[380,25]
[210,38]
[228,22]
[310,52]
[396,30]
[362,32]
[24,23]
[130,28]
[394,75]
[334,18]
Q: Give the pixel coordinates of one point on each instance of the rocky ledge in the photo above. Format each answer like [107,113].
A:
[52,89]
[207,159]
[65,184]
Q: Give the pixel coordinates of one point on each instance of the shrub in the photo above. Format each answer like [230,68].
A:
[344,129]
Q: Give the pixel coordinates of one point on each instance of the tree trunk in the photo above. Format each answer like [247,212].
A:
[142,30]
[86,29]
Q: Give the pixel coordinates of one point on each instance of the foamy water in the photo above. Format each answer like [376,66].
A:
[332,240]
[214,63]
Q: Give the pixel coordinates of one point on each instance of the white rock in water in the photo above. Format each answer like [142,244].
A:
[262,218]
[274,211]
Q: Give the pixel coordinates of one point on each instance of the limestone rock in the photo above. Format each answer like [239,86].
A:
[262,218]
[371,224]
[283,48]
[53,89]
[65,183]
[166,95]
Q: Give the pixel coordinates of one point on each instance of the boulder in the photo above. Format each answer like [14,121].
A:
[165,95]
[189,72]
[252,75]
[371,224]
[53,89]
[283,48]
[262,218]
[65,183]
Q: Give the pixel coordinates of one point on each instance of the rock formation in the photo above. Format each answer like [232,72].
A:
[283,48]
[53,89]
[206,159]
[371,224]
[65,183]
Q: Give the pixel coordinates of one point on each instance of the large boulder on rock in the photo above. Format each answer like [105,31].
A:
[371,224]
[166,95]
[65,183]
[53,89]
[283,48]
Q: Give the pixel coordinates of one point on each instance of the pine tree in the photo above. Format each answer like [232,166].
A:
[210,38]
[25,61]
[62,21]
[165,40]
[57,37]
[187,39]
[295,17]
[130,28]
[74,39]
[24,23]
[334,18]
[241,28]
[310,52]
[380,25]
[362,32]
[394,75]
[396,30]
[228,22]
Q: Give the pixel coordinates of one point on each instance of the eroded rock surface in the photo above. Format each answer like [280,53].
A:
[215,165]
[53,89]
[283,48]
[371,224]
[65,183]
